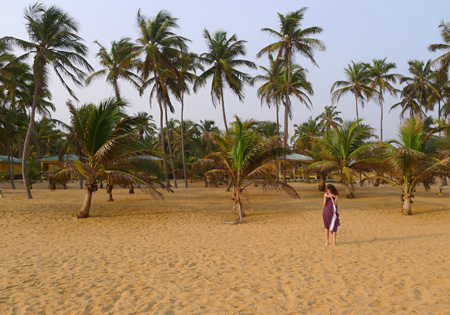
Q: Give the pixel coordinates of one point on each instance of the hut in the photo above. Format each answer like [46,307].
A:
[17,165]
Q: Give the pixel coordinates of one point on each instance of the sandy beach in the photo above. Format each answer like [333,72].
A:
[141,256]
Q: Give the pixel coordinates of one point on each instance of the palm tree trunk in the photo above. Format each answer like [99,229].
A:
[287,108]
[356,101]
[109,189]
[10,165]
[28,137]
[182,142]
[169,142]
[278,135]
[79,159]
[84,211]
[223,111]
[161,123]
[381,120]
[163,147]
[116,89]
[406,209]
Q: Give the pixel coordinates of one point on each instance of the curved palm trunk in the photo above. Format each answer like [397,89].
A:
[84,211]
[182,142]
[28,137]
[223,111]
[116,89]
[169,142]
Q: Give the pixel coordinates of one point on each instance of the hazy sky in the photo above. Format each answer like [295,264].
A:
[357,30]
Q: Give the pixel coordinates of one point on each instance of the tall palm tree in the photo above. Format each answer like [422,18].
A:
[270,79]
[118,63]
[54,41]
[357,83]
[292,39]
[160,46]
[381,81]
[444,59]
[416,157]
[221,59]
[208,129]
[420,90]
[247,159]
[346,151]
[113,151]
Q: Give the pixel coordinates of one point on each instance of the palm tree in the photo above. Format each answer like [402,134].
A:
[292,39]
[208,129]
[329,116]
[248,160]
[54,41]
[381,82]
[266,92]
[444,59]
[304,134]
[113,151]
[416,157]
[161,47]
[118,63]
[420,90]
[358,83]
[347,152]
[221,57]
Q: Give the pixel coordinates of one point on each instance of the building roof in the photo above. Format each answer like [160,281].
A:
[70,157]
[298,157]
[4,158]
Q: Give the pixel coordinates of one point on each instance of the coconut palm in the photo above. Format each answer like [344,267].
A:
[266,92]
[420,90]
[304,134]
[381,81]
[416,157]
[444,59]
[54,41]
[113,151]
[247,159]
[346,151]
[329,116]
[357,83]
[118,63]
[208,129]
[221,59]
[161,48]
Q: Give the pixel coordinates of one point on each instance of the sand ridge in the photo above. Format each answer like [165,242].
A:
[141,256]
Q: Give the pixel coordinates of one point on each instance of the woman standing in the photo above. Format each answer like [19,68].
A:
[330,213]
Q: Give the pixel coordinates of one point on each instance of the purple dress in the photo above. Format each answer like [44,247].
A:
[330,217]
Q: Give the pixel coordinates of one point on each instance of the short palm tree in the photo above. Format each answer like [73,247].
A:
[381,81]
[357,83]
[113,151]
[416,157]
[120,62]
[304,134]
[247,159]
[329,116]
[223,67]
[346,151]
[54,41]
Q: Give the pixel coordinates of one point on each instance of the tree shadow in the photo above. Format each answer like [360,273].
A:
[387,239]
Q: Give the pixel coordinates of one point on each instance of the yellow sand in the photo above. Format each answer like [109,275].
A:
[140,256]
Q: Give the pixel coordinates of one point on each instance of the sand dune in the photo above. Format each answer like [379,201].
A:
[141,256]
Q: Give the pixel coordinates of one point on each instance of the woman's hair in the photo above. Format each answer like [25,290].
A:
[333,189]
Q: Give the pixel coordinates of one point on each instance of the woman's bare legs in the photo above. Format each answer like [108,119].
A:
[327,237]
[334,238]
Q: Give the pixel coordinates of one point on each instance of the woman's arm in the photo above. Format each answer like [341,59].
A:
[334,200]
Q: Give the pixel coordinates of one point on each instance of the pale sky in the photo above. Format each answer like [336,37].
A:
[357,30]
